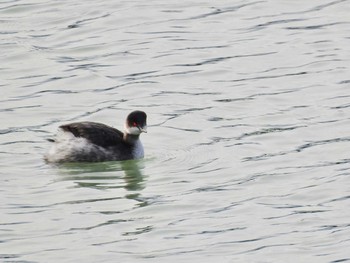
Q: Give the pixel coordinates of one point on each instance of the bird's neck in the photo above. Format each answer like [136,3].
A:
[130,138]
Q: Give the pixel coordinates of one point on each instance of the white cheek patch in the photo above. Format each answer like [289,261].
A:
[132,130]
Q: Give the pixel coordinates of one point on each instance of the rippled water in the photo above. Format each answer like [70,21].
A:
[247,155]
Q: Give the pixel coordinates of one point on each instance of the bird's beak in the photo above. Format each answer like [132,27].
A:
[143,129]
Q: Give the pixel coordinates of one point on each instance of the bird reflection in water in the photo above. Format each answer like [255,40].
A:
[134,181]
[106,175]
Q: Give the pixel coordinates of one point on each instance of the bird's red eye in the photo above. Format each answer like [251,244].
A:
[134,124]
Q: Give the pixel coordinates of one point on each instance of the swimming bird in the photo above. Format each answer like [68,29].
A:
[97,142]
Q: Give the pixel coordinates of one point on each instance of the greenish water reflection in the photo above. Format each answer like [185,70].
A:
[105,175]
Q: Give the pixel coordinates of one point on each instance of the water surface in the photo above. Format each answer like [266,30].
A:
[247,154]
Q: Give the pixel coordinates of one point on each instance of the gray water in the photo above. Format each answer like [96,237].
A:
[247,151]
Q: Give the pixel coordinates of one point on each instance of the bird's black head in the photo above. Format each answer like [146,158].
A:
[136,123]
